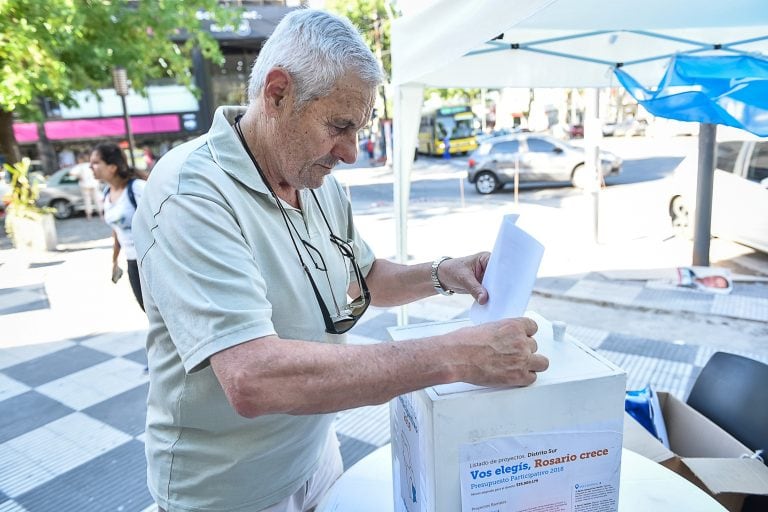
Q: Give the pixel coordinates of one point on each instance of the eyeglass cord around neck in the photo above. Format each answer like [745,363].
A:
[289,224]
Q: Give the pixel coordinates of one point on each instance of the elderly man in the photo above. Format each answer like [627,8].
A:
[249,255]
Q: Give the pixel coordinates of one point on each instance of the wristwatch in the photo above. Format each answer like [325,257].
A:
[442,290]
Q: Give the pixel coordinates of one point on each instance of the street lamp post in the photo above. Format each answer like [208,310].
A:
[120,81]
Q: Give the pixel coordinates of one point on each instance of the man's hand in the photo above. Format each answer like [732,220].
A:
[499,354]
[465,275]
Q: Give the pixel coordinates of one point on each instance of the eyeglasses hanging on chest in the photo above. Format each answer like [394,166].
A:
[343,317]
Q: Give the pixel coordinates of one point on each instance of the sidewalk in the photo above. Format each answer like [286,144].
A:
[72,391]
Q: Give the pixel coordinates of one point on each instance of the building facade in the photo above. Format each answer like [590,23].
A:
[169,113]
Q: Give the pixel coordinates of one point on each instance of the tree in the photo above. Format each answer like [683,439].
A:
[372,19]
[51,49]
[454,95]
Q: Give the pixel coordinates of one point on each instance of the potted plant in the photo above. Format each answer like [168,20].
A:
[27,224]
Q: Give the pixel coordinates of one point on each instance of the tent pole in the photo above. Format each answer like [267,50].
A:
[592,136]
[704,183]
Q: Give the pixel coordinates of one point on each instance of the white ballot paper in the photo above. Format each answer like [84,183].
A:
[510,275]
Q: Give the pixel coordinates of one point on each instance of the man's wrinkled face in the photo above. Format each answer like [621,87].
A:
[313,140]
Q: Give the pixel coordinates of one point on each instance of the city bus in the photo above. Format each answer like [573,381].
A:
[456,123]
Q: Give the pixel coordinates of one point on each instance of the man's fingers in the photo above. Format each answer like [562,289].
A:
[479,293]
[529,326]
[533,344]
[538,363]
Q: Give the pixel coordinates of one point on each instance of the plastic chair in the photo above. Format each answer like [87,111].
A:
[731,391]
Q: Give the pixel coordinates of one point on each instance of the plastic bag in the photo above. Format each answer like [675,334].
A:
[643,405]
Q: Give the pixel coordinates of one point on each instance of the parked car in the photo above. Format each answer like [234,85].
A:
[739,194]
[62,193]
[537,158]
[484,136]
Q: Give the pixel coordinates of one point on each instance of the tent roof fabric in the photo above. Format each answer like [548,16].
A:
[565,43]
[729,90]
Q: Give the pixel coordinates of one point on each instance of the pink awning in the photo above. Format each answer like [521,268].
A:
[97,128]
[25,132]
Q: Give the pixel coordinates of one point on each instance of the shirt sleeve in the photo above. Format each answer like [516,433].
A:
[203,280]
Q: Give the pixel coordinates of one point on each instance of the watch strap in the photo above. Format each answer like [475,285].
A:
[435,280]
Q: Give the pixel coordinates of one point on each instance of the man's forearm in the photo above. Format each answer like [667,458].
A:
[271,375]
[392,284]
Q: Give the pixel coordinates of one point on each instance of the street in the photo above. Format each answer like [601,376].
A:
[438,181]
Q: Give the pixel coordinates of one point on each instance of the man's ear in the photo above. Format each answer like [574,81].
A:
[277,91]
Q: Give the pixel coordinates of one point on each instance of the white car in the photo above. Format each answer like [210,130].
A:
[535,158]
[740,193]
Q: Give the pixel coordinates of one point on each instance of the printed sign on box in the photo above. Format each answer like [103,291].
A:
[556,472]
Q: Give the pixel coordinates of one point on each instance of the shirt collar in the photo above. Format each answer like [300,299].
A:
[228,152]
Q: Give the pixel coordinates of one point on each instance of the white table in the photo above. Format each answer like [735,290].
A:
[645,487]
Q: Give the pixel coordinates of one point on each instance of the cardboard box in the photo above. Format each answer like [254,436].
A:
[702,452]
[463,447]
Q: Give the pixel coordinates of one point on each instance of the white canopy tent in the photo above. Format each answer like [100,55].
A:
[549,43]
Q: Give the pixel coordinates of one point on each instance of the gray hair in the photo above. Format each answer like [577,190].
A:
[316,48]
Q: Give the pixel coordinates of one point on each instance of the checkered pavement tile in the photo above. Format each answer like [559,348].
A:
[17,355]
[675,377]
[741,306]
[26,412]
[604,291]
[625,344]
[96,383]
[71,427]
[10,388]
[681,300]
[23,298]
[747,301]
[114,480]
[7,505]
[57,364]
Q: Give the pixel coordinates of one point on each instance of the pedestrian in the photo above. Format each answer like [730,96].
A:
[121,197]
[149,159]
[89,186]
[369,147]
[248,253]
[66,158]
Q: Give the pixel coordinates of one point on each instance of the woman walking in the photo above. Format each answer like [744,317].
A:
[120,199]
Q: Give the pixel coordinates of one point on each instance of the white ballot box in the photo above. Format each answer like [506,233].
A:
[554,446]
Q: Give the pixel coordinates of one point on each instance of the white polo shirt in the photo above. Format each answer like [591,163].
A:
[218,268]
